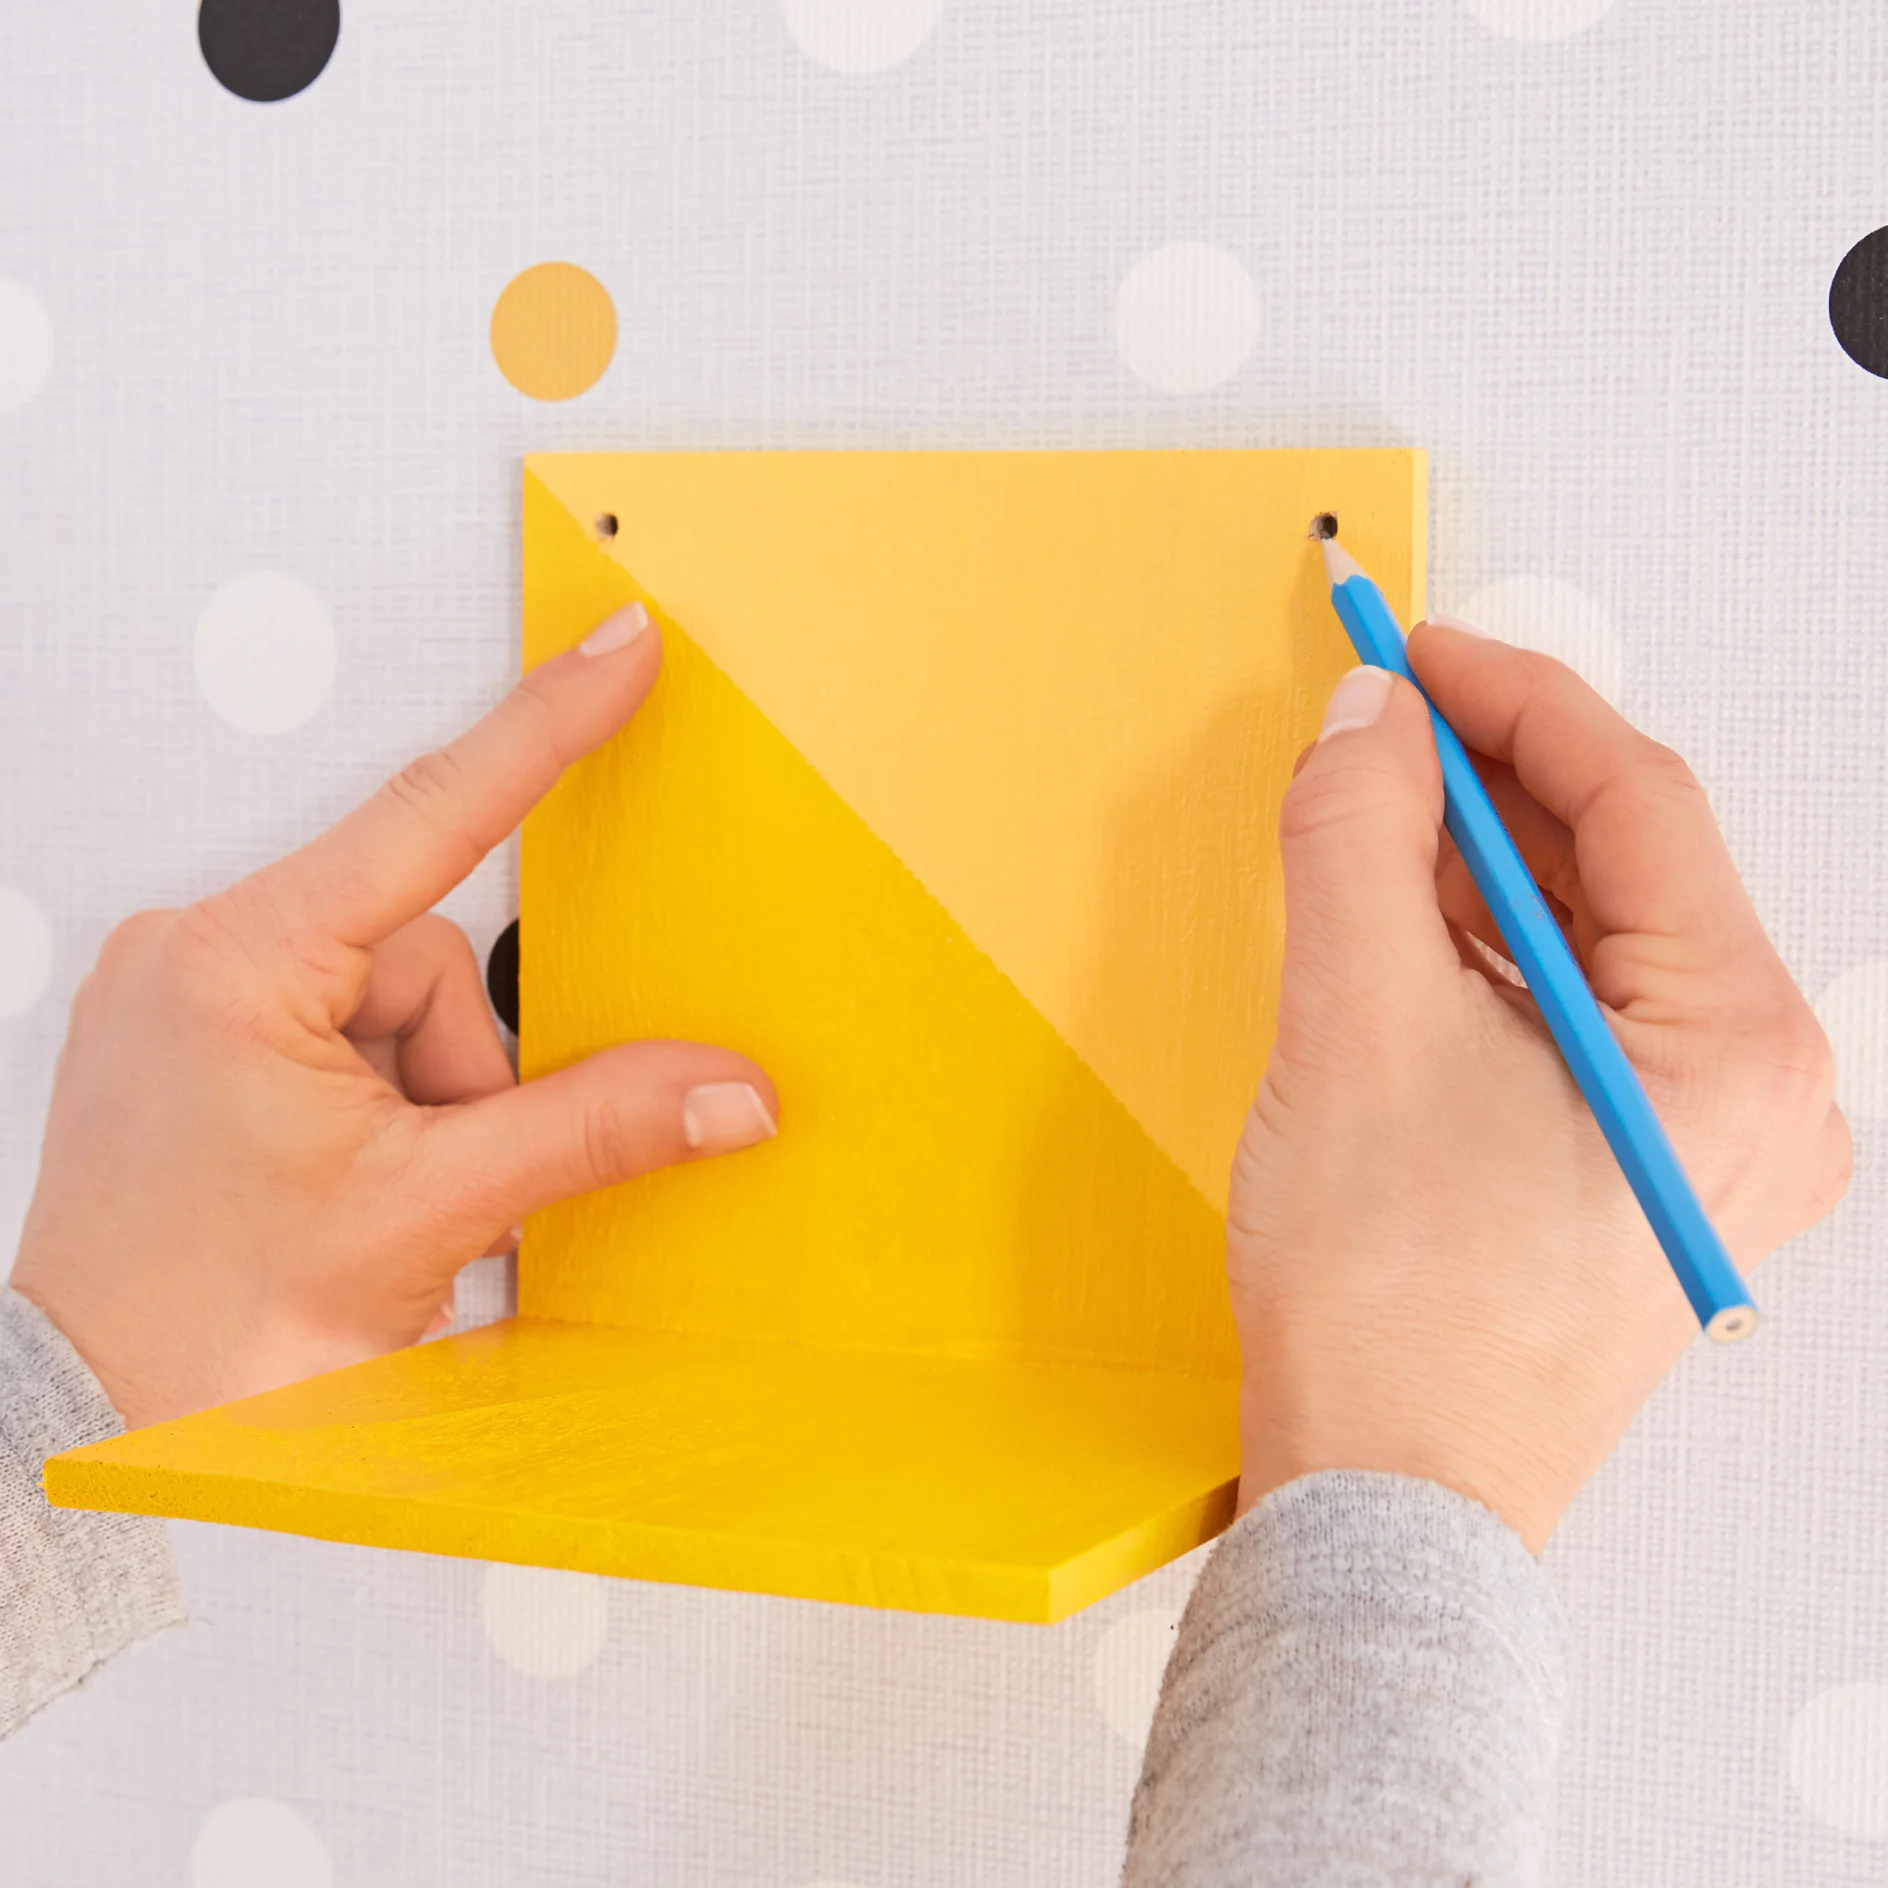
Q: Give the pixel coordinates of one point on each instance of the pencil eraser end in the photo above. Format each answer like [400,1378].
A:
[1733,1324]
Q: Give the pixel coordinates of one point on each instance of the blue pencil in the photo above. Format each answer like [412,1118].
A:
[1540,953]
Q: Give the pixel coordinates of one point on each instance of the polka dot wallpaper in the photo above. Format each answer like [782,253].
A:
[286,290]
[264,652]
[1858,302]
[25,344]
[553,331]
[268,50]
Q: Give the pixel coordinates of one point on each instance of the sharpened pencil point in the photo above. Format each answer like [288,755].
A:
[1324,525]
[1338,562]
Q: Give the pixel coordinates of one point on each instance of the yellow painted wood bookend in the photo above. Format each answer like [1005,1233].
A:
[955,807]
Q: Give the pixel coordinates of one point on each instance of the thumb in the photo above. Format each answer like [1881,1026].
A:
[1358,836]
[620,1113]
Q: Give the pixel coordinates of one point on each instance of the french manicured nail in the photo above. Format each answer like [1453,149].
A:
[1356,701]
[616,632]
[720,1117]
[1455,622]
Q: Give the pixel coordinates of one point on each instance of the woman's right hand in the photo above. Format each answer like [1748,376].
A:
[1437,1267]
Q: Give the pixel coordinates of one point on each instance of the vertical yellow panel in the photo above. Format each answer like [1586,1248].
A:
[1064,688]
[950,1174]
[1002,916]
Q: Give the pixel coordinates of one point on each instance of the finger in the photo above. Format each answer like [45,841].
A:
[399,852]
[1649,857]
[1490,962]
[1461,902]
[625,1111]
[1358,835]
[1546,846]
[1834,1166]
[500,1248]
[423,1017]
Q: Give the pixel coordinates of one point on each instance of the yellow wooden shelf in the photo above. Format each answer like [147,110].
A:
[955,806]
[1006,1489]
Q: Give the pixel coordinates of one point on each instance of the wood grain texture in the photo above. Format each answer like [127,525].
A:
[954,806]
[996,1487]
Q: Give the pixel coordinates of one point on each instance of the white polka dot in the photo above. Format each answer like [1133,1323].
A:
[860,35]
[547,1623]
[250,1840]
[1854,1014]
[25,345]
[1130,1658]
[1539,19]
[1186,317]
[1545,614]
[264,652]
[25,952]
[1839,1758]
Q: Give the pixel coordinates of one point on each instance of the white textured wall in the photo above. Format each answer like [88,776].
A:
[1580,251]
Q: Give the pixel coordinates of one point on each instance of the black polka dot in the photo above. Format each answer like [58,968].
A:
[1858,303]
[268,49]
[501,976]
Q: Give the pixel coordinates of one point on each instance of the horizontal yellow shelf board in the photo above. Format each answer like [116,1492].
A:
[998,1487]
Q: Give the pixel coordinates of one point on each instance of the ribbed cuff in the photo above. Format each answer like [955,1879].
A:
[1367,1689]
[1381,1553]
[75,1588]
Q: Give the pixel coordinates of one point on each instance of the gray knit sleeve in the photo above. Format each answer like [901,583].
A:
[75,1588]
[1367,1690]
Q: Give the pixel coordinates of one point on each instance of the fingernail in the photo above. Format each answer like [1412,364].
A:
[1356,701]
[720,1117]
[1455,622]
[616,632]
[517,1236]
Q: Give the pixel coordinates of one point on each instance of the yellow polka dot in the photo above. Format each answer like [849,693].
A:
[553,331]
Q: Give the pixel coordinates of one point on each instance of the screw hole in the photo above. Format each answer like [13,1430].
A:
[606,524]
[1323,526]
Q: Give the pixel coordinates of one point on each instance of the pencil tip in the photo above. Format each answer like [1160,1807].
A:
[1338,562]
